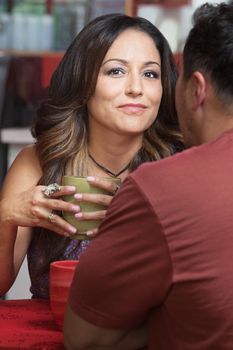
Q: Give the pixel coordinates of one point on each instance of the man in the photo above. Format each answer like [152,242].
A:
[164,254]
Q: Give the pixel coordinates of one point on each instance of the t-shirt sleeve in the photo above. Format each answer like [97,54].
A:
[126,271]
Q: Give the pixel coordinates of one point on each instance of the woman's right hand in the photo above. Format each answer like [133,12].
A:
[23,203]
[31,208]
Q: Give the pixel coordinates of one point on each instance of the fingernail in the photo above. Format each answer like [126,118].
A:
[90,233]
[90,178]
[78,196]
[72,229]
[75,208]
[71,188]
[79,215]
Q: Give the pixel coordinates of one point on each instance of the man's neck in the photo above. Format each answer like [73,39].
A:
[214,128]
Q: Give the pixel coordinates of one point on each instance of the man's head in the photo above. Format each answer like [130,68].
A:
[205,86]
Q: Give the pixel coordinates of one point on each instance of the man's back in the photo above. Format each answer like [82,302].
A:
[165,253]
[194,207]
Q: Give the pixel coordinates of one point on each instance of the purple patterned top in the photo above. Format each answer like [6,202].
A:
[40,284]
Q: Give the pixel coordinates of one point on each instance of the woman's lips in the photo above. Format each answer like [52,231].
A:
[132,108]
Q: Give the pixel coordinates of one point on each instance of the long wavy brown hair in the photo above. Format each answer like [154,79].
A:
[61,128]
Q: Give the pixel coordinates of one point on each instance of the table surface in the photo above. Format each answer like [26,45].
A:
[28,324]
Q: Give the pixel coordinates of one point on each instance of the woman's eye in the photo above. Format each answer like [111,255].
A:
[151,75]
[115,71]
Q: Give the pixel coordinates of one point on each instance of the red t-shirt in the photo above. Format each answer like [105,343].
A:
[165,253]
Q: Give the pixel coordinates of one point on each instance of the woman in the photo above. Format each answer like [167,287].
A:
[110,108]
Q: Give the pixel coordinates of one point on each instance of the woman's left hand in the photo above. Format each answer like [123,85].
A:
[98,198]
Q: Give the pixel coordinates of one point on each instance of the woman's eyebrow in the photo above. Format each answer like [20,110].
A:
[125,62]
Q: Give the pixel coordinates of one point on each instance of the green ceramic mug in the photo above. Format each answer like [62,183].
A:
[83,186]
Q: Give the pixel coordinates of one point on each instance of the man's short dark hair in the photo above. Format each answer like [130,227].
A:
[209,47]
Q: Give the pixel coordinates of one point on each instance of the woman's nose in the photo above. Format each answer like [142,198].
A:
[134,85]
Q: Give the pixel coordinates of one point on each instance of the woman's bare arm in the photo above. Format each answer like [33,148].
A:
[23,174]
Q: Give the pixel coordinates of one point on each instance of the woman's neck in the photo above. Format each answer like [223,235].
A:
[114,153]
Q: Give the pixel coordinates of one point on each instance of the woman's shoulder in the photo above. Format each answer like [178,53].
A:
[28,154]
[28,159]
[25,170]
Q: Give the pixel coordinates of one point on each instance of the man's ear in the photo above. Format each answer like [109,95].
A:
[198,89]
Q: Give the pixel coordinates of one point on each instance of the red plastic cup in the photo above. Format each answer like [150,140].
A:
[61,276]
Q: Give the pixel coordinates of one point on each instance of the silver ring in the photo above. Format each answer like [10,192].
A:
[51,217]
[49,190]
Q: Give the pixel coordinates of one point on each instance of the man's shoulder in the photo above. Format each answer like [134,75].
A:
[185,170]
[169,165]
[188,160]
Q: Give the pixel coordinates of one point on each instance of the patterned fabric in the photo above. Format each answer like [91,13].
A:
[40,283]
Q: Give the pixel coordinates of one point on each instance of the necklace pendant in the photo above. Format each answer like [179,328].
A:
[108,171]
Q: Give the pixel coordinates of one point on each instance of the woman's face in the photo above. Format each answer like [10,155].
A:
[129,88]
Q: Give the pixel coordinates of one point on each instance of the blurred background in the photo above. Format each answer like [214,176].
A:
[33,37]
